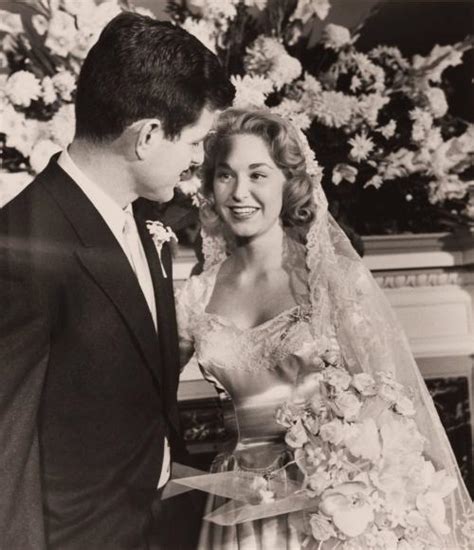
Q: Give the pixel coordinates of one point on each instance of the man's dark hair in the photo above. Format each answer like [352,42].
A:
[144,68]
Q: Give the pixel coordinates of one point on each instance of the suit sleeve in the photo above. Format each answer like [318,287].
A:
[24,349]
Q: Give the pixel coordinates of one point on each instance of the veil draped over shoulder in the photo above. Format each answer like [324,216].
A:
[346,299]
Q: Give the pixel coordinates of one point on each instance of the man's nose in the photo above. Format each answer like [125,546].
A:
[198,154]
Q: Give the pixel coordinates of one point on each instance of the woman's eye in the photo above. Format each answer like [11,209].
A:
[258,176]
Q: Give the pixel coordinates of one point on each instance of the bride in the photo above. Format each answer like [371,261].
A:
[279,276]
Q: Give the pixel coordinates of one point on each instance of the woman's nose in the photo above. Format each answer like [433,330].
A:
[241,189]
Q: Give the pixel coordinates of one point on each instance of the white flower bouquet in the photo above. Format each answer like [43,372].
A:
[362,463]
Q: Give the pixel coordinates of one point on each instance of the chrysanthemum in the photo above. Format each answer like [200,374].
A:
[362,145]
[250,90]
[268,57]
[334,109]
[22,87]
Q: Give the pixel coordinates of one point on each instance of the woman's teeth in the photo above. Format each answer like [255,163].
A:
[243,211]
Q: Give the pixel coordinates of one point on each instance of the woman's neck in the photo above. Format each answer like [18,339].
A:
[261,254]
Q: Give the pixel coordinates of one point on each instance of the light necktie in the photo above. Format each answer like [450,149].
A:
[137,259]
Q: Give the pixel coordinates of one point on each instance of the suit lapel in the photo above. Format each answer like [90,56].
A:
[104,259]
[165,308]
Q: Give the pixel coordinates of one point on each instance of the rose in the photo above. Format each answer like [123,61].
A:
[336,36]
[364,384]
[362,439]
[404,406]
[332,431]
[347,405]
[338,378]
[319,481]
[296,436]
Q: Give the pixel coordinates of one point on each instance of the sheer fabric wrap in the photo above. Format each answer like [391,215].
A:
[347,305]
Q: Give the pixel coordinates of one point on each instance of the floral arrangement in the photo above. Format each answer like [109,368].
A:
[360,456]
[42,48]
[394,158]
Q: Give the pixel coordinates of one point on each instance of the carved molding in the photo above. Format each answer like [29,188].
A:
[423,279]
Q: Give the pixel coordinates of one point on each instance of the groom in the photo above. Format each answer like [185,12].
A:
[88,343]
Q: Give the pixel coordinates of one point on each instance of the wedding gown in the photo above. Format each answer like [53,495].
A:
[255,367]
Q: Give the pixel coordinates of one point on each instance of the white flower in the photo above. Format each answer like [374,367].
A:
[62,125]
[292,110]
[203,30]
[361,147]
[437,101]
[222,11]
[61,34]
[306,9]
[347,405]
[362,439]
[403,404]
[76,7]
[389,129]
[375,181]
[334,109]
[10,23]
[336,36]
[338,378]
[41,153]
[344,172]
[369,106]
[190,186]
[259,4]
[364,383]
[160,234]
[40,23]
[268,57]
[65,83]
[422,123]
[319,481]
[21,133]
[332,431]
[348,507]
[439,59]
[250,90]
[321,527]
[48,93]
[448,188]
[296,436]
[22,88]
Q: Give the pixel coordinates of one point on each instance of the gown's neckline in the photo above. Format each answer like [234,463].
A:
[213,272]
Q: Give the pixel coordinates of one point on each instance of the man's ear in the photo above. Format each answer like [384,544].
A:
[149,133]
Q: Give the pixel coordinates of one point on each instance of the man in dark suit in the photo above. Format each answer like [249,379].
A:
[88,340]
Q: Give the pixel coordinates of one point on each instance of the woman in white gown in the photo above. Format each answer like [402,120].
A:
[280,276]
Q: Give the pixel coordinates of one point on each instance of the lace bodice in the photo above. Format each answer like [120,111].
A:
[257,366]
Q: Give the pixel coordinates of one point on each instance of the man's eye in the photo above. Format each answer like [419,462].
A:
[223,176]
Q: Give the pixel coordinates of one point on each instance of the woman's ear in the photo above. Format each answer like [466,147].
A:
[149,135]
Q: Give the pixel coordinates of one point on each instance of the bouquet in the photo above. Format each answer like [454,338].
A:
[362,464]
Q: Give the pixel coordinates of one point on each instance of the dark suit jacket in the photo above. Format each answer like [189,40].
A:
[87,389]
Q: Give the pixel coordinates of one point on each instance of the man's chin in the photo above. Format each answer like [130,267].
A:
[163,195]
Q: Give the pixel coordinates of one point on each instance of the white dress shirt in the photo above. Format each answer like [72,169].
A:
[117,219]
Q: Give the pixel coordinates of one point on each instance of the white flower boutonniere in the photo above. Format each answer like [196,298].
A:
[160,234]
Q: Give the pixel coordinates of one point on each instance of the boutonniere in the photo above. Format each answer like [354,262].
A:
[160,234]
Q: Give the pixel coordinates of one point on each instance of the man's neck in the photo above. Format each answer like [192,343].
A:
[106,168]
